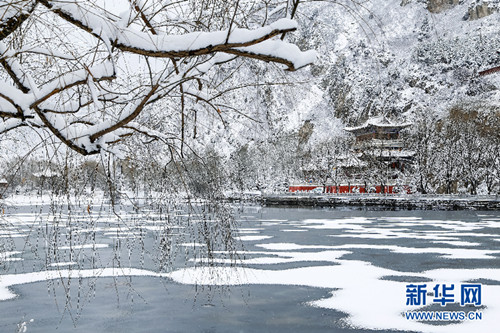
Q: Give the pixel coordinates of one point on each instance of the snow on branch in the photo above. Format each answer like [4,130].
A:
[186,45]
[85,75]
[130,114]
[277,51]
[14,14]
[10,124]
[97,73]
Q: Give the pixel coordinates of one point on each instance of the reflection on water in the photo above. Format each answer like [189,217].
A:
[72,247]
[181,268]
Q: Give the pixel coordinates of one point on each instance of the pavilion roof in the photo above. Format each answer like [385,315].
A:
[380,122]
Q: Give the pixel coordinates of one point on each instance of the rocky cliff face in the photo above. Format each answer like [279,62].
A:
[476,11]
[480,10]
[437,6]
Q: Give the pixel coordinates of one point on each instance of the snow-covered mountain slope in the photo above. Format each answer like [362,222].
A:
[397,57]
[394,57]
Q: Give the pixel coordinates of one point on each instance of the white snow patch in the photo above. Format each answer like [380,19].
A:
[457,243]
[83,246]
[286,257]
[62,264]
[7,256]
[254,238]
[193,244]
[443,252]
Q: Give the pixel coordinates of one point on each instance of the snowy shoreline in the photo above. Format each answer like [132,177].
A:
[373,201]
[426,202]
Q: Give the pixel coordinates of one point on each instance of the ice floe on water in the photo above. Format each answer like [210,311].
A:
[450,253]
[13,235]
[63,264]
[193,244]
[269,258]
[401,218]
[250,230]
[357,223]
[254,238]
[456,243]
[83,246]
[7,256]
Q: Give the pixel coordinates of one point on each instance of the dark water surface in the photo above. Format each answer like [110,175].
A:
[159,304]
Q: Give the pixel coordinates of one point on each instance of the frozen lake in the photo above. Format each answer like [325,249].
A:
[290,269]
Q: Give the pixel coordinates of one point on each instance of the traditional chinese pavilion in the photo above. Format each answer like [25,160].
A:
[379,139]
[378,150]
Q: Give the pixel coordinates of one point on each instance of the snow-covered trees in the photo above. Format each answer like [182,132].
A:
[459,152]
[91,73]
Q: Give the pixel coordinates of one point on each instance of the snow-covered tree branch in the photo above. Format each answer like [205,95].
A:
[85,71]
